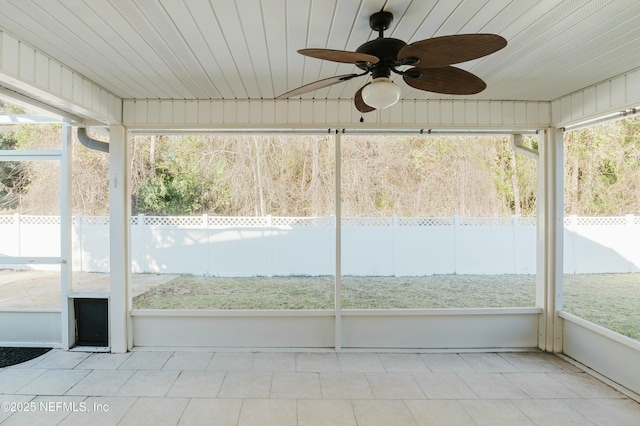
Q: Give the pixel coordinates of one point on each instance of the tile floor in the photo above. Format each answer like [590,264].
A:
[307,388]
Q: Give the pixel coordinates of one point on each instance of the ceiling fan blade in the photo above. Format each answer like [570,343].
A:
[446,80]
[359,102]
[442,51]
[343,56]
[317,85]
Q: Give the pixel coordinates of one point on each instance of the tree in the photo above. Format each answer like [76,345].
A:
[177,176]
[14,177]
[515,178]
[281,175]
[601,169]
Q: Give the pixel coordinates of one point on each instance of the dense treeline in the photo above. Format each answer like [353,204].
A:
[602,169]
[295,175]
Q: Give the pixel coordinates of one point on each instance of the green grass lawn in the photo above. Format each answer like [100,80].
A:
[610,300]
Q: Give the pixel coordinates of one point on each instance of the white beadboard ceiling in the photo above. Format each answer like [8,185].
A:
[246,49]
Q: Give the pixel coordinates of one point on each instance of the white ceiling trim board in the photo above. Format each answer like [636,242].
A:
[34,75]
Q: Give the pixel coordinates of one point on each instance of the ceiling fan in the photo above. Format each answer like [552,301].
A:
[428,61]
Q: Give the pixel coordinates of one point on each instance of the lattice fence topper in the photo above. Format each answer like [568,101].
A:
[528,221]
[486,221]
[245,221]
[267,221]
[426,221]
[7,220]
[40,220]
[90,220]
[173,221]
[603,221]
[367,221]
[301,221]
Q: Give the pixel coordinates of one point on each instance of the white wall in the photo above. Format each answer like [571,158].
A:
[415,329]
[314,114]
[272,246]
[29,328]
[610,97]
[441,328]
[29,72]
[602,350]
[601,244]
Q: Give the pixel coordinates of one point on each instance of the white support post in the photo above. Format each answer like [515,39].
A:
[456,243]
[271,233]
[395,225]
[119,230]
[338,237]
[207,233]
[68,318]
[77,233]
[541,246]
[550,239]
[16,222]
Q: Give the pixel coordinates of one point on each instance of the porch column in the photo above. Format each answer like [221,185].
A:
[67,314]
[119,229]
[550,239]
[337,294]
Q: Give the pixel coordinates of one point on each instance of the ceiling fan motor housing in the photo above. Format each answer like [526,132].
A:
[423,64]
[387,50]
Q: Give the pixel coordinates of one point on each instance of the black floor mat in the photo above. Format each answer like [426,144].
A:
[12,356]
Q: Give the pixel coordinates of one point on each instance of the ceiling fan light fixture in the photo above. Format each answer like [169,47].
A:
[429,65]
[381,93]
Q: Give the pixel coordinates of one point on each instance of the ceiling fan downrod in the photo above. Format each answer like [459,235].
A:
[385,48]
[428,63]
[380,21]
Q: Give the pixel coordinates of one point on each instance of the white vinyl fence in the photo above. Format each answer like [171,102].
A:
[379,246]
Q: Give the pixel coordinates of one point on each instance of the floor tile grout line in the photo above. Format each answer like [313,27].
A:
[240,411]
[136,398]
[467,412]
[508,375]
[416,421]
[419,387]
[172,384]
[183,410]
[224,378]
[467,385]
